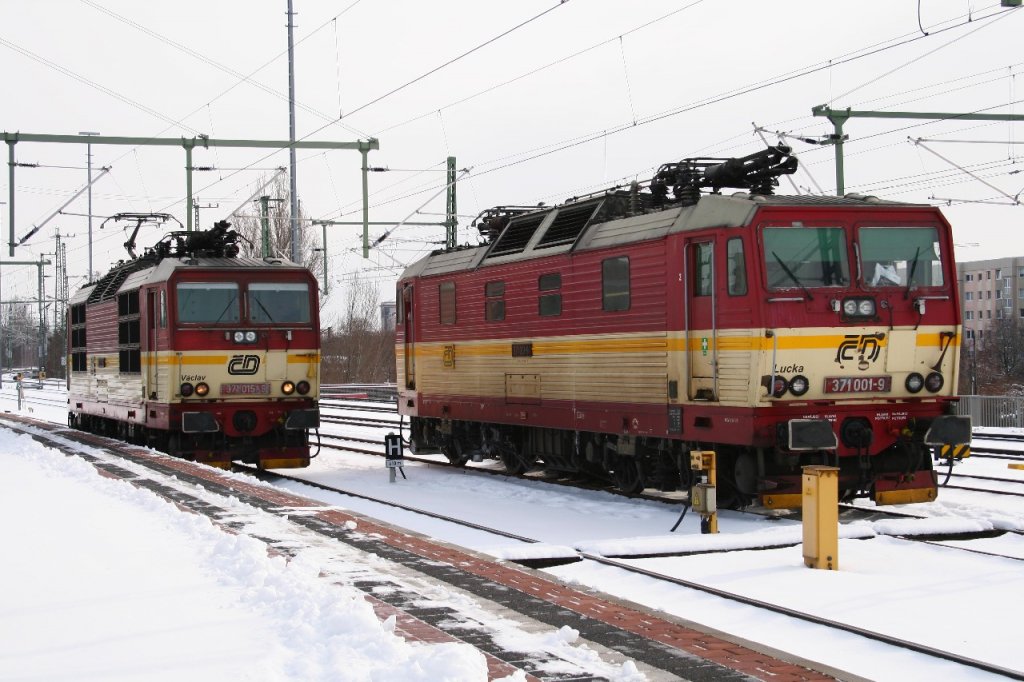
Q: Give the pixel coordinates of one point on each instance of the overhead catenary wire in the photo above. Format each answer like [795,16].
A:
[604,138]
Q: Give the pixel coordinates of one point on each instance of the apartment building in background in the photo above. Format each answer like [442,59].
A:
[990,290]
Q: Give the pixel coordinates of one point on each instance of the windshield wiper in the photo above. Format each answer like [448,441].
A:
[270,318]
[910,277]
[226,308]
[793,277]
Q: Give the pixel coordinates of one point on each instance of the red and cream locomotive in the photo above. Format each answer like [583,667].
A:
[614,333]
[199,353]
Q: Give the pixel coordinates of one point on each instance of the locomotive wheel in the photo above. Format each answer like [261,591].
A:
[516,463]
[455,453]
[627,475]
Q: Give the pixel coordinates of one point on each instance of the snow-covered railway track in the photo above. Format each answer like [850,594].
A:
[620,562]
[400,573]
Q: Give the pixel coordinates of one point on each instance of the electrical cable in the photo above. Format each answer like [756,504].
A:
[532,72]
[242,78]
[93,84]
[456,59]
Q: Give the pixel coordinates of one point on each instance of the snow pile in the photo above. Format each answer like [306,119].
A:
[228,610]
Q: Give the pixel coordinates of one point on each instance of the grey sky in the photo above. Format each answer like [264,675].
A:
[588,94]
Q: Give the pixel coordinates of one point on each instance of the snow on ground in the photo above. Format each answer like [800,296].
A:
[108,582]
[936,595]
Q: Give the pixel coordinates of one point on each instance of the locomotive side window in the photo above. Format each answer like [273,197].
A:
[495,305]
[900,256]
[805,257]
[550,305]
[615,284]
[702,271]
[278,303]
[163,309]
[210,302]
[736,266]
[78,340]
[446,302]
[128,333]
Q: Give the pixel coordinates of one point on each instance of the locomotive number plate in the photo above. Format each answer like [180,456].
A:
[858,384]
[245,389]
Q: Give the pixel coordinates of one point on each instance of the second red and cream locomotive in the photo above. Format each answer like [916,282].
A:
[199,353]
[615,333]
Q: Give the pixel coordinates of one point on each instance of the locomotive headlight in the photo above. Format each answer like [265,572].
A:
[934,382]
[287,388]
[858,307]
[202,389]
[250,337]
[798,385]
[186,389]
[779,387]
[239,337]
[915,382]
[302,387]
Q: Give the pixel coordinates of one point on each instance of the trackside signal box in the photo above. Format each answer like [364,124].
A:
[393,456]
[821,516]
[703,494]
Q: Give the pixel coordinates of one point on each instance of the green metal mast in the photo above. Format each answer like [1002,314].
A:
[840,116]
[188,143]
[452,217]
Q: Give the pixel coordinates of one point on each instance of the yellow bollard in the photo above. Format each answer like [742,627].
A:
[821,517]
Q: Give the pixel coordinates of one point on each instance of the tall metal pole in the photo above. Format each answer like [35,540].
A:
[265,226]
[327,287]
[452,217]
[88,161]
[41,363]
[293,191]
[10,186]
[188,183]
[366,206]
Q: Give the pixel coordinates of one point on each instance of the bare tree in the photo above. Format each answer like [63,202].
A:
[1000,359]
[20,335]
[279,230]
[356,348]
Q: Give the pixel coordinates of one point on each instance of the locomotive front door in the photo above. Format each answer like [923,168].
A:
[410,337]
[701,345]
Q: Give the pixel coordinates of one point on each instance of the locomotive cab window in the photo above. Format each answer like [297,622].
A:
[904,257]
[800,257]
[495,305]
[615,284]
[208,302]
[278,303]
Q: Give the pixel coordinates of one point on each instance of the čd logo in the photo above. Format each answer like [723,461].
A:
[244,364]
